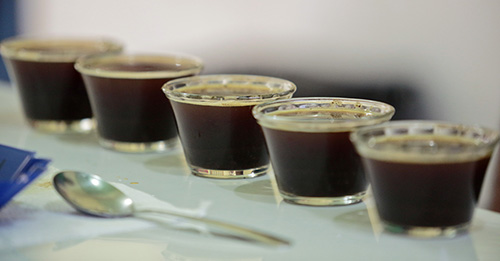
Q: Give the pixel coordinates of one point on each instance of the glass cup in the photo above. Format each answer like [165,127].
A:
[52,92]
[425,176]
[214,118]
[125,93]
[313,159]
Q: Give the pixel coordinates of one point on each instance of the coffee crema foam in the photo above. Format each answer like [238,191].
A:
[135,67]
[423,149]
[227,95]
[316,119]
[227,90]
[57,51]
[322,114]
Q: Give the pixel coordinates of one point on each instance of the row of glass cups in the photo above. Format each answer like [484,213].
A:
[324,151]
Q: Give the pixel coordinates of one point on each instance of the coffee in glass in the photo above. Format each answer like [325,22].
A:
[52,92]
[125,93]
[426,176]
[214,118]
[313,159]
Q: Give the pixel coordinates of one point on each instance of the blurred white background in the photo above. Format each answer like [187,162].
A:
[448,52]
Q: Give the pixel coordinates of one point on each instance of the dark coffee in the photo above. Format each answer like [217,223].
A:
[220,137]
[315,164]
[50,90]
[314,160]
[131,109]
[427,194]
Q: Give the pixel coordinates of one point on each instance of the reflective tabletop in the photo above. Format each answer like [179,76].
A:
[317,233]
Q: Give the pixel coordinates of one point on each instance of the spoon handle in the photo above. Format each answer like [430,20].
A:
[234,231]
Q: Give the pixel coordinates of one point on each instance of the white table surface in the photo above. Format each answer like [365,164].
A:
[317,233]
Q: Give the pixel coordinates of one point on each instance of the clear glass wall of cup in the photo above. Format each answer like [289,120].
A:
[314,161]
[52,92]
[125,93]
[214,117]
[425,176]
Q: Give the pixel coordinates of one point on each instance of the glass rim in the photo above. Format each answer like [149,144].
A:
[379,112]
[88,65]
[485,140]
[21,47]
[280,88]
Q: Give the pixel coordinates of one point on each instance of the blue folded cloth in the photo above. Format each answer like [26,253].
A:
[17,169]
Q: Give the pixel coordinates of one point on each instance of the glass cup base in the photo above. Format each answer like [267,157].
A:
[63,126]
[138,147]
[229,174]
[427,232]
[324,201]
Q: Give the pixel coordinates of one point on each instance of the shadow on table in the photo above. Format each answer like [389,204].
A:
[89,139]
[260,190]
[171,163]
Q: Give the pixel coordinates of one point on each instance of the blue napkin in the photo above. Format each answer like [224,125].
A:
[17,169]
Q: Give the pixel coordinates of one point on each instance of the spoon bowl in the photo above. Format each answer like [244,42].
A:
[92,195]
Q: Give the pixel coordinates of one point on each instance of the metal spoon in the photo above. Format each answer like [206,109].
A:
[92,195]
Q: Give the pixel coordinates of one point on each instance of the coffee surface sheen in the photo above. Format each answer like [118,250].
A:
[228,95]
[229,90]
[430,149]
